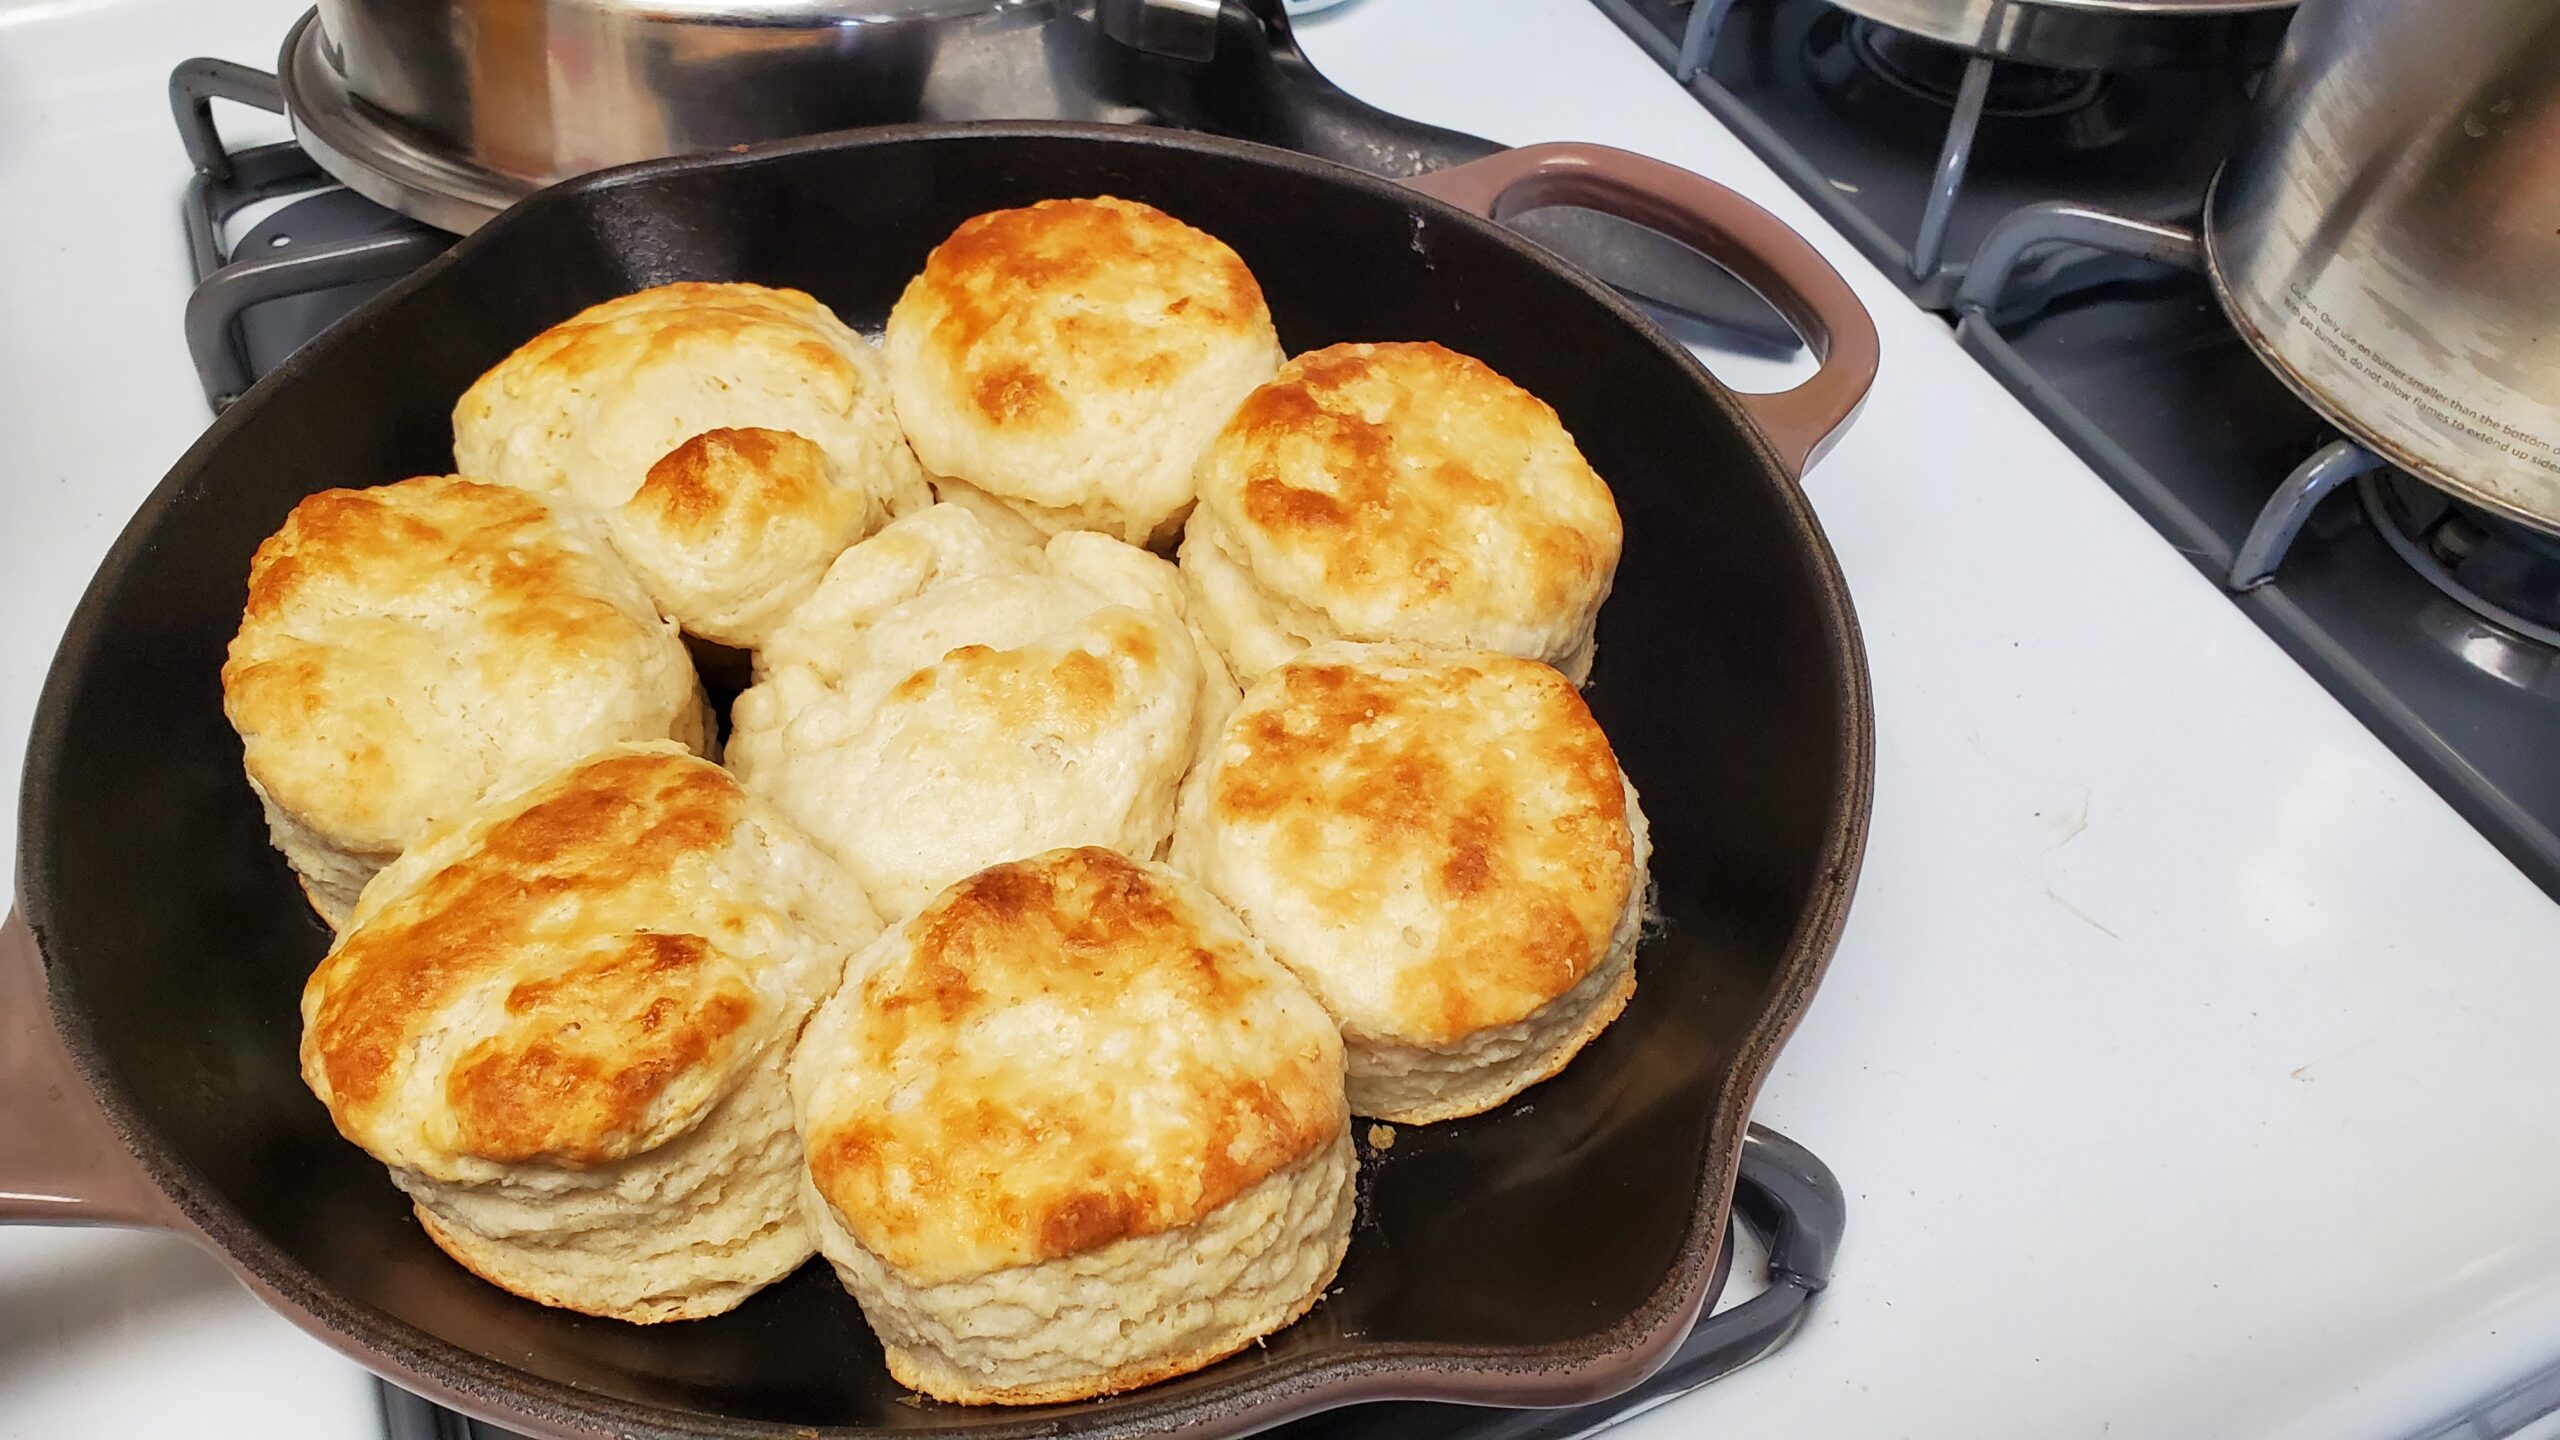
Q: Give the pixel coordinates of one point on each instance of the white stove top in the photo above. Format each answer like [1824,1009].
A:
[2188,1063]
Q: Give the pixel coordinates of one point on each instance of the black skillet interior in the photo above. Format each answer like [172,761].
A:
[1553,1229]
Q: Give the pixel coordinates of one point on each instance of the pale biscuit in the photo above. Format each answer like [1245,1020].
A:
[1070,1132]
[1441,844]
[562,1023]
[605,411]
[948,699]
[408,649]
[1398,492]
[1069,360]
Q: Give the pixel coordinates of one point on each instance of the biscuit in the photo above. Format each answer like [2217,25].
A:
[407,649]
[1071,1132]
[1441,844]
[1398,492]
[735,527]
[1069,360]
[562,1023]
[605,411]
[948,699]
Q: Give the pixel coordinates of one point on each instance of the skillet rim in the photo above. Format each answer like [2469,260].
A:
[1588,1369]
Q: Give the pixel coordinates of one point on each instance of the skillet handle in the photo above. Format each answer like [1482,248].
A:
[61,1163]
[1800,424]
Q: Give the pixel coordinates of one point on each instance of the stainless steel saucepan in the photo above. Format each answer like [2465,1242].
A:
[2388,237]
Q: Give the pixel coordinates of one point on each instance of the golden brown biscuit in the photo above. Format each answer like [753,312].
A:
[1069,359]
[562,1023]
[408,649]
[1441,845]
[1398,492]
[733,528]
[591,409]
[1071,1132]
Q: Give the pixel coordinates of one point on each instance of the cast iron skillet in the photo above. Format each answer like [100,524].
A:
[1552,1252]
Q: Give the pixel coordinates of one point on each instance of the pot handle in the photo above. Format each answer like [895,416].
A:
[1800,424]
[61,1162]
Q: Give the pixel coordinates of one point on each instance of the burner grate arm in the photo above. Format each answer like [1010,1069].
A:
[1698,37]
[2289,509]
[2058,222]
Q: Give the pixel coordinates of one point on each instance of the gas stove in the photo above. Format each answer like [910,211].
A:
[2049,213]
[2170,997]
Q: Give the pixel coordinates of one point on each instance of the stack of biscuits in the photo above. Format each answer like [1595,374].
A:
[1155,751]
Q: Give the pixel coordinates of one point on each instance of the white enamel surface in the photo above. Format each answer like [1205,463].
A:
[2189,1064]
[105,1333]
[2186,1060]
[117,1334]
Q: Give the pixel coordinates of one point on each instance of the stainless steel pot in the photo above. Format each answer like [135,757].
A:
[2388,237]
[451,110]
[2089,34]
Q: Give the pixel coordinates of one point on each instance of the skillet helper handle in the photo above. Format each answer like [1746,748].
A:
[1789,1196]
[1800,424]
[61,1163]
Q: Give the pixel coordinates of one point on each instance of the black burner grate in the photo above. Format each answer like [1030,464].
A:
[298,268]
[1872,125]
